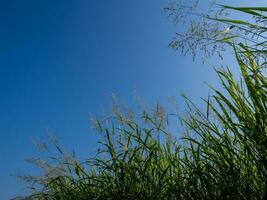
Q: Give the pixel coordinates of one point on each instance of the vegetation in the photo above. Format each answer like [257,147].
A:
[208,32]
[222,154]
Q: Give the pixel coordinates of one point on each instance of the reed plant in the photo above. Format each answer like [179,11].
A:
[219,153]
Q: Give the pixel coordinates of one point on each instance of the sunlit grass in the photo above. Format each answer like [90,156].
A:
[222,155]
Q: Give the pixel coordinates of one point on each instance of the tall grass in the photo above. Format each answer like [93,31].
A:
[222,154]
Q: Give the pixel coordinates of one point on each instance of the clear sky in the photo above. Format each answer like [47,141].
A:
[62,59]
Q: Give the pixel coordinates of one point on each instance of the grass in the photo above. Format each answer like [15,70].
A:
[222,154]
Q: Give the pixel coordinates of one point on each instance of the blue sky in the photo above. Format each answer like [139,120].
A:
[61,60]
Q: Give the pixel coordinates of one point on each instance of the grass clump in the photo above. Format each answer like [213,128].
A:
[222,155]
